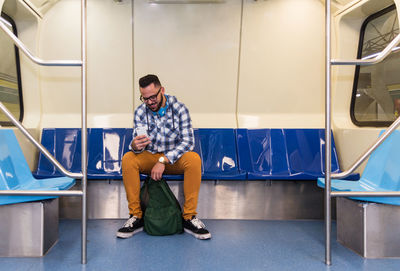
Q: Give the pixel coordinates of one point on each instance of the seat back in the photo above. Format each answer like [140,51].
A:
[105,151]
[306,151]
[65,145]
[382,169]
[16,175]
[219,154]
[14,169]
[233,154]
[283,153]
[218,149]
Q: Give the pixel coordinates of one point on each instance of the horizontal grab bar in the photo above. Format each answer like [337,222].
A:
[364,156]
[37,60]
[41,193]
[381,56]
[38,145]
[365,194]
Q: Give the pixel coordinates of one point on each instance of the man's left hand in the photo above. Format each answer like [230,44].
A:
[157,171]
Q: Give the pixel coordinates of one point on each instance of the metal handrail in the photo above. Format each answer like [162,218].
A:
[365,194]
[328,143]
[38,145]
[84,131]
[83,175]
[328,159]
[364,156]
[41,192]
[35,59]
[381,56]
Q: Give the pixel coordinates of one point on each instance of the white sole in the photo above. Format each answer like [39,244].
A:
[125,235]
[199,236]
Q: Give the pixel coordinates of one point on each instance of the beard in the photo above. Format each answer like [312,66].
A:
[158,105]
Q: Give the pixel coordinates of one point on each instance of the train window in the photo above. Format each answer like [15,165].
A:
[376,90]
[10,79]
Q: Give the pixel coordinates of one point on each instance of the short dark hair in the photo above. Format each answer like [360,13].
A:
[149,79]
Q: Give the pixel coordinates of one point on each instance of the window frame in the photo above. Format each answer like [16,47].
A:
[18,67]
[357,72]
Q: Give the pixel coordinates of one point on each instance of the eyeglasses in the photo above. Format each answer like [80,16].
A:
[151,98]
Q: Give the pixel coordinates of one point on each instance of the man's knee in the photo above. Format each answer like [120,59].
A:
[192,159]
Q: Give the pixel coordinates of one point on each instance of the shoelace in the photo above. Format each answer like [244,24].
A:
[197,223]
[130,221]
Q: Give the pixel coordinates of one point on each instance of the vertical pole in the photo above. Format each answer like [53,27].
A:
[84,128]
[238,67]
[328,132]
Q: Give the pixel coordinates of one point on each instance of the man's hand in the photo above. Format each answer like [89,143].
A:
[157,171]
[140,142]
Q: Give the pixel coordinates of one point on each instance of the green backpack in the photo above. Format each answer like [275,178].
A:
[162,212]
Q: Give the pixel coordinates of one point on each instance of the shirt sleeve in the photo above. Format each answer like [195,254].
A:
[186,136]
[137,121]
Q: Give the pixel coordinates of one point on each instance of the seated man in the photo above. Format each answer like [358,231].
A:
[396,107]
[163,141]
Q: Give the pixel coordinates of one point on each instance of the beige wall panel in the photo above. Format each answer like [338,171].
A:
[352,143]
[282,64]
[109,58]
[194,49]
[110,73]
[27,25]
[60,86]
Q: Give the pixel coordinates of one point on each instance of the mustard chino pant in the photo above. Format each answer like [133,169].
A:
[189,164]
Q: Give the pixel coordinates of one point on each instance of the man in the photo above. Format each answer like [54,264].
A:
[396,107]
[165,146]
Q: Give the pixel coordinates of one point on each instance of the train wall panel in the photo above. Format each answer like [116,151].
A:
[281,79]
[194,48]
[109,55]
[202,54]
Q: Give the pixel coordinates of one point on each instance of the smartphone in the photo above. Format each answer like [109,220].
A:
[141,130]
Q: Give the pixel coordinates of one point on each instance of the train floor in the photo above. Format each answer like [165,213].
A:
[235,245]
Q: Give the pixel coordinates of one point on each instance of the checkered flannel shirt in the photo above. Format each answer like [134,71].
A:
[171,134]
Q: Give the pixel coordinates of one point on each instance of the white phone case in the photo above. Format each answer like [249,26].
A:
[141,131]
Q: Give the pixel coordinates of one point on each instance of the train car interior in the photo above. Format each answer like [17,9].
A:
[294,106]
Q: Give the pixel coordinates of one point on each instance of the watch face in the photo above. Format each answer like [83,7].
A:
[161,160]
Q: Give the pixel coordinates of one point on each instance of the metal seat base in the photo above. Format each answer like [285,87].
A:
[271,200]
[369,229]
[28,229]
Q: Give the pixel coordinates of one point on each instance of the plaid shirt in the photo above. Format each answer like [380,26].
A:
[171,134]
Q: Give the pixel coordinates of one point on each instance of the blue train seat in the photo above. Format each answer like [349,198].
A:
[106,147]
[216,147]
[226,154]
[16,175]
[65,145]
[296,154]
[217,150]
[219,155]
[382,173]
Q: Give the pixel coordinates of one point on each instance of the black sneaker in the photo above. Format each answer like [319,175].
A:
[196,228]
[132,226]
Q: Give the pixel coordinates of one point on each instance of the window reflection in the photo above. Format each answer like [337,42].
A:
[376,99]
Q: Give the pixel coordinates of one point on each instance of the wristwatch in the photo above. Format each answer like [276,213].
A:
[162,160]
